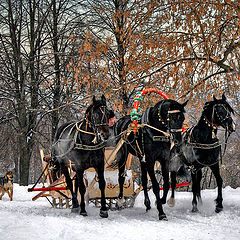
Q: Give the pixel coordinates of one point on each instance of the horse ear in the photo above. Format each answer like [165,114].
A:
[103,99]
[214,98]
[111,114]
[94,99]
[224,97]
[185,103]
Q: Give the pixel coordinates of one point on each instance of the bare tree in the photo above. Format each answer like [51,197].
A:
[33,79]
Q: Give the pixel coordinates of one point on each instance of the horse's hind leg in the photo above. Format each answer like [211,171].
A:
[102,184]
[147,202]
[82,190]
[196,189]
[171,201]
[166,185]
[122,157]
[75,204]
[216,171]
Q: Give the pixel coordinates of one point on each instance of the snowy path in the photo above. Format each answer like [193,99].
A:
[24,219]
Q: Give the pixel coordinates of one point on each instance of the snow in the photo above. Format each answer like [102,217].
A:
[24,219]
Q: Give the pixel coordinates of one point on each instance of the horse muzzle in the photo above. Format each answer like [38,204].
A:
[232,128]
[105,135]
[111,121]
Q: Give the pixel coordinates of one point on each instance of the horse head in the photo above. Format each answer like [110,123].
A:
[171,117]
[99,115]
[218,113]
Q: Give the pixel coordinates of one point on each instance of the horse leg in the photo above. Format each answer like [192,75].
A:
[199,178]
[166,185]
[82,190]
[194,190]
[102,185]
[171,200]
[122,155]
[147,202]
[75,204]
[216,171]
[156,190]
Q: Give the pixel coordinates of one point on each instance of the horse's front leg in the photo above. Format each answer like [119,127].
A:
[102,185]
[82,190]
[156,190]
[199,179]
[216,171]
[171,200]
[75,204]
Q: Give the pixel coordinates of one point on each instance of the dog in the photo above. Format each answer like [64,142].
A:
[6,185]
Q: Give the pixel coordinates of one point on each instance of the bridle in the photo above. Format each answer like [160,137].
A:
[167,123]
[219,118]
[91,118]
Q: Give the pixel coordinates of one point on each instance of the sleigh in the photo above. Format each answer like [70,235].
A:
[54,187]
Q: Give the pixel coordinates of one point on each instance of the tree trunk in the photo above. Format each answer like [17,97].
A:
[57,89]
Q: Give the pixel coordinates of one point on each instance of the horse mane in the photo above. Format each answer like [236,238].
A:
[172,103]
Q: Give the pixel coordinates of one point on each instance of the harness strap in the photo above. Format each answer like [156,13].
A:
[204,145]
[156,129]
[88,147]
[80,130]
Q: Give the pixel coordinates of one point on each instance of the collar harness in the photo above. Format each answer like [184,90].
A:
[76,130]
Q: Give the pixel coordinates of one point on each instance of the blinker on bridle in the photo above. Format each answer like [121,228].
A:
[103,121]
[167,124]
[214,125]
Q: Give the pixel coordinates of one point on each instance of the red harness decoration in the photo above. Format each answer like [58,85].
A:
[138,99]
[178,185]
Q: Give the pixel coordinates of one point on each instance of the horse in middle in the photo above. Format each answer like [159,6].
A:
[161,129]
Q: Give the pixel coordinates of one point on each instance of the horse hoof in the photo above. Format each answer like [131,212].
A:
[120,203]
[84,214]
[163,200]
[218,209]
[147,204]
[171,202]
[103,214]
[195,210]
[75,210]
[163,217]
[148,208]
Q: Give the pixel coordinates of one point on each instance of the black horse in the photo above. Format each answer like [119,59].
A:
[201,147]
[162,127]
[82,143]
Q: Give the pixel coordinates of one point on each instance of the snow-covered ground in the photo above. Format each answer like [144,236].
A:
[24,219]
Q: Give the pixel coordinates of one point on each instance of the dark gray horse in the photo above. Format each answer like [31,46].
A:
[82,143]
[201,147]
